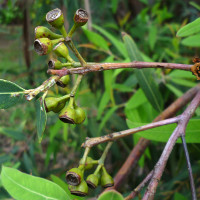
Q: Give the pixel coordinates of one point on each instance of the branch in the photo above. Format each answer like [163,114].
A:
[179,131]
[113,136]
[108,66]
[194,197]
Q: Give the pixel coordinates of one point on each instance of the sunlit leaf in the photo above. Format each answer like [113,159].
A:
[189,29]
[111,195]
[22,186]
[192,41]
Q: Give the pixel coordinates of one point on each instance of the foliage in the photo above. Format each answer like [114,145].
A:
[113,96]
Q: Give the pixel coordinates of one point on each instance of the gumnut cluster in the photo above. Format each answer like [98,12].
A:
[75,177]
[48,42]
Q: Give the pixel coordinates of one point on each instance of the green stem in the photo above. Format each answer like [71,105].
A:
[63,31]
[55,41]
[103,157]
[65,97]
[73,29]
[78,80]
[98,169]
[87,150]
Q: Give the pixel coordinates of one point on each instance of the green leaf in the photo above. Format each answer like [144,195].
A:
[144,76]
[111,195]
[189,29]
[41,117]
[192,41]
[181,74]
[64,186]
[152,36]
[179,196]
[115,41]
[162,133]
[10,94]
[184,82]
[22,186]
[96,39]
[175,90]
[114,4]
[13,133]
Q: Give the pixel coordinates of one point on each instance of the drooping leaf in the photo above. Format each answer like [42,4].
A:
[111,195]
[115,41]
[189,29]
[178,196]
[22,186]
[144,76]
[96,39]
[41,117]
[162,134]
[192,41]
[10,94]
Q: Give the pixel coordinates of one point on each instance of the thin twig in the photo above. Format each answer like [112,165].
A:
[142,144]
[110,66]
[135,192]
[180,130]
[194,197]
[90,142]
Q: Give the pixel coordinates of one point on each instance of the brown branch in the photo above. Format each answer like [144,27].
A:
[178,132]
[90,142]
[141,146]
[109,66]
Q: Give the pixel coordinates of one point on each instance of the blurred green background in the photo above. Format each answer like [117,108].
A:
[107,97]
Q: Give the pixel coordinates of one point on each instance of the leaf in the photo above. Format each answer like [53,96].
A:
[152,36]
[64,186]
[189,29]
[22,186]
[178,196]
[41,117]
[115,41]
[175,90]
[184,82]
[13,133]
[96,39]
[181,74]
[114,4]
[162,133]
[10,94]
[144,76]
[192,41]
[111,195]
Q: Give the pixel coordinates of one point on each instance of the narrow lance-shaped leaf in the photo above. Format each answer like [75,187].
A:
[41,117]
[189,29]
[10,94]
[22,186]
[162,133]
[192,41]
[144,76]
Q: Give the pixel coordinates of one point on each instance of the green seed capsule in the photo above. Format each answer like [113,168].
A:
[88,163]
[92,181]
[62,51]
[106,179]
[62,82]
[43,32]
[68,114]
[74,176]
[80,115]
[44,46]
[55,104]
[80,190]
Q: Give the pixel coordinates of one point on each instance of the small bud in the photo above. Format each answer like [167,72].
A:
[54,64]
[106,179]
[55,104]
[68,114]
[62,82]
[92,181]
[80,190]
[88,163]
[74,176]
[43,32]
[62,51]
[44,46]
[81,17]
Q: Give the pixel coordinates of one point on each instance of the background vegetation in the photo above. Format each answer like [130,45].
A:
[112,99]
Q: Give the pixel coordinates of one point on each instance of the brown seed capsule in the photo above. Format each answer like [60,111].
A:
[74,176]
[81,17]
